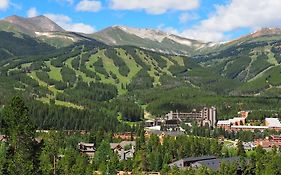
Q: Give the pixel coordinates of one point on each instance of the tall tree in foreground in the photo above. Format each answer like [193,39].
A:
[20,130]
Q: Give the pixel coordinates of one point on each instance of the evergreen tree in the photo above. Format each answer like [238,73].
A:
[240,149]
[20,129]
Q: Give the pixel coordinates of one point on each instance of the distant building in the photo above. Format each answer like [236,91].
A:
[205,117]
[87,148]
[243,114]
[210,162]
[273,123]
[124,149]
[215,164]
[249,145]
[124,136]
[238,123]
[187,162]
[269,142]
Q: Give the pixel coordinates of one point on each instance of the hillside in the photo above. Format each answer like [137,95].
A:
[41,28]
[254,60]
[85,71]
[150,39]
[34,24]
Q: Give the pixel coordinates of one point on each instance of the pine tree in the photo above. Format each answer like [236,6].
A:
[20,130]
[240,149]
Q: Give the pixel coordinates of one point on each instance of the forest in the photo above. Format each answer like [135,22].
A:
[27,152]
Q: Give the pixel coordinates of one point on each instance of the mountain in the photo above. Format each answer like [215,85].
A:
[42,28]
[150,39]
[48,31]
[134,59]
[254,60]
[34,24]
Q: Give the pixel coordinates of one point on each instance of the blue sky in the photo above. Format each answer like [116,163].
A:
[209,20]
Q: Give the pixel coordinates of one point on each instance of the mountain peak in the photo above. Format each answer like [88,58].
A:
[34,24]
[266,31]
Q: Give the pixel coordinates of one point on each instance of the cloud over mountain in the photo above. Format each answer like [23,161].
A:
[67,23]
[154,6]
[89,6]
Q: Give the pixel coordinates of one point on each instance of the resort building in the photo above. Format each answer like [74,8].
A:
[87,148]
[205,117]
[238,123]
[124,149]
[269,142]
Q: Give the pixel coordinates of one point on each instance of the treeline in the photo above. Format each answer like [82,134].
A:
[185,99]
[57,153]
[63,118]
[130,111]
[142,80]
[87,93]
[21,46]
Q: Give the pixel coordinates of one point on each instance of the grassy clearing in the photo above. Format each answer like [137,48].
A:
[153,64]
[169,64]
[109,66]
[55,72]
[272,59]
[46,100]
[178,59]
[44,84]
[78,72]
[26,65]
[131,63]
[91,61]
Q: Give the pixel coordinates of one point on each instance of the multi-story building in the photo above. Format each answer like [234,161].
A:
[269,142]
[205,117]
[238,123]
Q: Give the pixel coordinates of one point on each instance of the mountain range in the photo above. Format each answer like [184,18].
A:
[43,58]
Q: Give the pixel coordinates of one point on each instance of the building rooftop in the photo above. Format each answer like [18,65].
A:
[214,164]
[272,122]
[249,127]
[192,160]
[223,122]
[122,144]
[87,144]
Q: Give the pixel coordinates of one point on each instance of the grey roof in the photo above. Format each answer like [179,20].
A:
[122,144]
[192,159]
[214,164]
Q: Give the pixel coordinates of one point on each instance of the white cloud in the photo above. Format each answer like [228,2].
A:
[237,14]
[66,23]
[154,6]
[4,4]
[185,17]
[89,6]
[32,12]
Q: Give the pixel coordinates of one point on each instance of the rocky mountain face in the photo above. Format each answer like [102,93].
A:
[34,24]
[151,39]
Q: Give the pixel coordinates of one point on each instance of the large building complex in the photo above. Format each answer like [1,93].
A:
[205,117]
[238,123]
